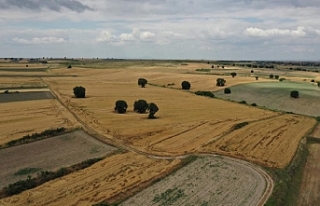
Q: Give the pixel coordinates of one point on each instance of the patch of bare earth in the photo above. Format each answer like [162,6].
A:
[114,176]
[310,188]
[50,154]
[206,181]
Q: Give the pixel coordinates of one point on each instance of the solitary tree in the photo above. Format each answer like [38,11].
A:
[142,82]
[212,66]
[233,74]
[252,71]
[276,76]
[294,94]
[140,106]
[257,77]
[79,92]
[185,85]
[221,82]
[69,66]
[121,106]
[271,76]
[153,108]
[227,91]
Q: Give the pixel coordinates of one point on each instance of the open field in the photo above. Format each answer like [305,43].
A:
[60,151]
[206,181]
[271,142]
[25,96]
[310,189]
[276,95]
[105,180]
[27,117]
[20,83]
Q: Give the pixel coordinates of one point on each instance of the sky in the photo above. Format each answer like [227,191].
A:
[284,30]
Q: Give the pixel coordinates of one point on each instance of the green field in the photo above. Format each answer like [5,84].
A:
[276,95]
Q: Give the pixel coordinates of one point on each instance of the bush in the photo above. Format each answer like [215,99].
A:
[240,125]
[257,77]
[318,83]
[312,80]
[142,82]
[121,106]
[276,76]
[221,82]
[69,66]
[294,94]
[79,92]
[205,93]
[233,74]
[140,106]
[227,91]
[282,79]
[254,104]
[185,85]
[153,108]
[252,71]
[243,102]
[271,76]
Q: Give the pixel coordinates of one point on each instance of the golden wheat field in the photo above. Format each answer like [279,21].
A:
[105,180]
[27,117]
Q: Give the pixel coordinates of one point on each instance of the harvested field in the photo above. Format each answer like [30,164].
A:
[114,176]
[316,132]
[27,117]
[207,181]
[276,95]
[310,188]
[60,151]
[25,96]
[21,82]
[271,142]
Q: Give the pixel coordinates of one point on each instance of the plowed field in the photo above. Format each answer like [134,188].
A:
[271,142]
[104,180]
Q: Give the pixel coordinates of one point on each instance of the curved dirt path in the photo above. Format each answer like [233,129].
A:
[108,139]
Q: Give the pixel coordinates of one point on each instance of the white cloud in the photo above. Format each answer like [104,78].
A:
[256,32]
[37,40]
[135,35]
[147,36]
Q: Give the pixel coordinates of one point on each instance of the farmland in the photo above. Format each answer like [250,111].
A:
[59,151]
[276,95]
[186,124]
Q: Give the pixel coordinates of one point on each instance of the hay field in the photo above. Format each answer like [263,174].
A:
[106,180]
[59,151]
[27,117]
[309,191]
[276,95]
[206,181]
[21,82]
[271,142]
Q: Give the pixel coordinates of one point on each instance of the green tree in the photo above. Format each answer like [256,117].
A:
[142,82]
[294,94]
[221,82]
[185,85]
[121,106]
[276,76]
[79,92]
[140,106]
[233,74]
[153,108]
[227,91]
[271,76]
[257,77]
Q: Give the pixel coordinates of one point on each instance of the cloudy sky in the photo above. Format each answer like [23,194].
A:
[161,29]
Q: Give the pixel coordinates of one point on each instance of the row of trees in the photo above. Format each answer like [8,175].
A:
[140,106]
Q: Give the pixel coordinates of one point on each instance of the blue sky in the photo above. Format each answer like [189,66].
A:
[161,29]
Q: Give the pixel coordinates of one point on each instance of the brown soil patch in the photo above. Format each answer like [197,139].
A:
[22,118]
[104,180]
[60,151]
[207,181]
[271,142]
[310,190]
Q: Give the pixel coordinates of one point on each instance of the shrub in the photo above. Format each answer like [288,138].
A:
[79,92]
[140,106]
[121,106]
[276,76]
[257,77]
[185,85]
[205,93]
[233,74]
[318,83]
[221,82]
[271,76]
[294,94]
[142,82]
[312,80]
[212,67]
[254,104]
[27,65]
[153,108]
[227,91]
[282,79]
[69,66]
[252,71]
[243,102]
[240,125]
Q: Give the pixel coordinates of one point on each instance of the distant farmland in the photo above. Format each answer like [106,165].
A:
[276,95]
